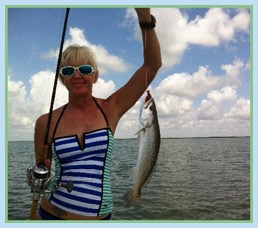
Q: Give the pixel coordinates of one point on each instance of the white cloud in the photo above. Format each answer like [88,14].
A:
[213,29]
[106,61]
[241,20]
[217,103]
[183,84]
[129,123]
[21,118]
[210,119]
[41,88]
[202,81]
[103,89]
[225,94]
[172,106]
[224,113]
[218,114]
[221,113]
[24,108]
[218,110]
[19,125]
[240,110]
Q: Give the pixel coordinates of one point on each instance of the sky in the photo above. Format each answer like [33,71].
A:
[202,90]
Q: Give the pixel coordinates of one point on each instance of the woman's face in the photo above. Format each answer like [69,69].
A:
[77,83]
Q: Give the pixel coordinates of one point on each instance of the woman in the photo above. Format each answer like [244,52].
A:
[81,133]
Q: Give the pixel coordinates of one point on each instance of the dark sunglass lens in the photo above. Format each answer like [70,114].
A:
[85,69]
[67,71]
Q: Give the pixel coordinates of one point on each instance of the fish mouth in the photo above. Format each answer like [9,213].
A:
[146,104]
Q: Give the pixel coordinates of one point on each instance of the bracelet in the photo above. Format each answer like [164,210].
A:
[148,25]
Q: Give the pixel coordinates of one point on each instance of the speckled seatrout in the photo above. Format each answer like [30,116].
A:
[149,143]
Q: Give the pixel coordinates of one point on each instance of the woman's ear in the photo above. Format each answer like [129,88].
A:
[96,76]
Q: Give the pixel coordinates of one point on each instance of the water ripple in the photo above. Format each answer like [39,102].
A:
[195,179]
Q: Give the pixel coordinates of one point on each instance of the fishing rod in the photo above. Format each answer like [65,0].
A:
[39,174]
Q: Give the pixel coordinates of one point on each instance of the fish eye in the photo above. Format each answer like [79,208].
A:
[151,108]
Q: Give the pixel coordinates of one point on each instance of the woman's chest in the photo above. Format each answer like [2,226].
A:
[79,126]
[92,143]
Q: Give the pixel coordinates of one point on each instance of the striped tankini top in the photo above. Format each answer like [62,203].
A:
[88,168]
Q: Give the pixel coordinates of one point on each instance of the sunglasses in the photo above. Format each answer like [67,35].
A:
[69,71]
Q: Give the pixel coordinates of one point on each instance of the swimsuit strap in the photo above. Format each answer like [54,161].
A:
[57,123]
[103,113]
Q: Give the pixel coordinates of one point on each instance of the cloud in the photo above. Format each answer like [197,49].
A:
[184,120]
[41,87]
[196,104]
[201,81]
[18,124]
[128,125]
[213,107]
[170,106]
[202,104]
[103,89]
[241,110]
[25,107]
[220,113]
[179,113]
[214,28]
[107,62]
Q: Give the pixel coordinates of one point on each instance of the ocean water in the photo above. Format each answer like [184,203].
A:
[195,179]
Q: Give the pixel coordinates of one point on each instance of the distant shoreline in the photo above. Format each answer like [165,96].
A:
[194,137]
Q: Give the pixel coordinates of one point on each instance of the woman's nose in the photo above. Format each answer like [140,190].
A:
[76,74]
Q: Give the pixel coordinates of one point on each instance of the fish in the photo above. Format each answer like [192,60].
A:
[149,144]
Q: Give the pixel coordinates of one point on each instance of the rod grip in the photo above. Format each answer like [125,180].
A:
[34,207]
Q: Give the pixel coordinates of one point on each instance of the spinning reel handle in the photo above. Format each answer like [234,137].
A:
[39,181]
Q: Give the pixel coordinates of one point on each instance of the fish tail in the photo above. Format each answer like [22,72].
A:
[133,198]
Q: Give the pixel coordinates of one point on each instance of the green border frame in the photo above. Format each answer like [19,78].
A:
[250,7]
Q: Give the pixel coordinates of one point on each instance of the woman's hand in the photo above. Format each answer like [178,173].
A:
[47,163]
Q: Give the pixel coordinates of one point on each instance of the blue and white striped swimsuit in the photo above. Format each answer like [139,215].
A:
[88,167]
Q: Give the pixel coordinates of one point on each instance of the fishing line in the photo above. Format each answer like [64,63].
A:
[56,78]
[146,70]
[58,31]
[41,171]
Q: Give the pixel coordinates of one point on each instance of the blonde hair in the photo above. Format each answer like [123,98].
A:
[78,55]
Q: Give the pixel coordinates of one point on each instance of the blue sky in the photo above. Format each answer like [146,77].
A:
[203,88]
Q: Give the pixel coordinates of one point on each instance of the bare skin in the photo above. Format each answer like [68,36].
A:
[81,106]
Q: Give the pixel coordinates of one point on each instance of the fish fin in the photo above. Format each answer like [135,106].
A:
[132,172]
[138,139]
[137,133]
[133,198]
[142,129]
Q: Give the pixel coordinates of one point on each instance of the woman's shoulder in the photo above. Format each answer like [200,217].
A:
[43,119]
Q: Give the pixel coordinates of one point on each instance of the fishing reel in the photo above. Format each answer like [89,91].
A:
[39,179]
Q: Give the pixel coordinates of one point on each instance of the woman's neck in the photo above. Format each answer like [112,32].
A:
[80,101]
